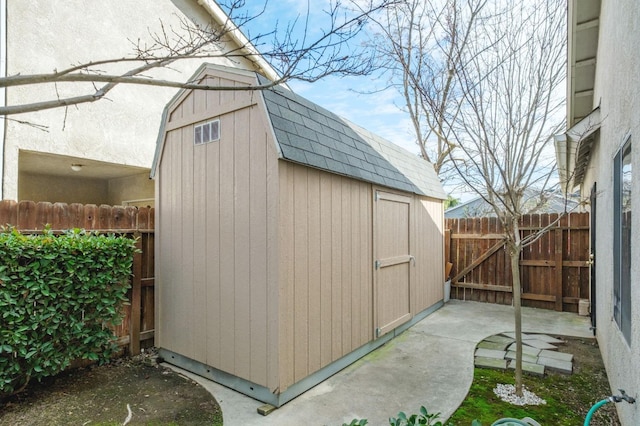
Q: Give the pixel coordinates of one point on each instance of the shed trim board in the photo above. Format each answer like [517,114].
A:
[268,237]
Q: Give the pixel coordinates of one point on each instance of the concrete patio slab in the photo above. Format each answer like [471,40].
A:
[430,364]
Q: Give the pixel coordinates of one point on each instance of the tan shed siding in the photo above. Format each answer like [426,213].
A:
[325,266]
[164,223]
[326,256]
[219,253]
[213,252]
[427,246]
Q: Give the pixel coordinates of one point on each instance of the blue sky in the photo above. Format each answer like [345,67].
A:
[379,112]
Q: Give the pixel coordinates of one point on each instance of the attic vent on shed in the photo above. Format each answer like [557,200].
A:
[207,132]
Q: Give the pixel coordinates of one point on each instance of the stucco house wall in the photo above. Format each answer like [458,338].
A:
[120,131]
[616,91]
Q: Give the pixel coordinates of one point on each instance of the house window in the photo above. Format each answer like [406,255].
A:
[207,132]
[622,240]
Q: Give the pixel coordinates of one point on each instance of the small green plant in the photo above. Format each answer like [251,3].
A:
[59,295]
[356,422]
[424,418]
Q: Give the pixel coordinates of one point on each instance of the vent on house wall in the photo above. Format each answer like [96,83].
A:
[207,132]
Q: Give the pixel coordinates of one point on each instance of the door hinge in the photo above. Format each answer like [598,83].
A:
[376,265]
[378,331]
[376,197]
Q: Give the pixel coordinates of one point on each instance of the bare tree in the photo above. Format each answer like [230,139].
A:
[423,46]
[512,87]
[294,54]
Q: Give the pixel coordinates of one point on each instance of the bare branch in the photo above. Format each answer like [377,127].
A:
[305,59]
[422,45]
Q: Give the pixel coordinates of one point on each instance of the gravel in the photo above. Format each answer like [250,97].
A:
[507,393]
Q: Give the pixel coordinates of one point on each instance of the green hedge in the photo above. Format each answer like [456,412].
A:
[58,297]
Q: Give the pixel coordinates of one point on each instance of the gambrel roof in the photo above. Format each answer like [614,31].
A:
[308,134]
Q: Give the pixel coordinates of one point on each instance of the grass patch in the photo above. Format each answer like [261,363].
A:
[568,397]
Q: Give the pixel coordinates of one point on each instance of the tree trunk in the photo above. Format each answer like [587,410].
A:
[515,272]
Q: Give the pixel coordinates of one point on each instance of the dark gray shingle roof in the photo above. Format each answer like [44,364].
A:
[309,134]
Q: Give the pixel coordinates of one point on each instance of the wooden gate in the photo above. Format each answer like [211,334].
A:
[554,270]
[393,260]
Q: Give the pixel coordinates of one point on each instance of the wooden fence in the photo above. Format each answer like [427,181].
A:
[138,324]
[554,270]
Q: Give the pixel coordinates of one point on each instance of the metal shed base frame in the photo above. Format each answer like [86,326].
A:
[262,393]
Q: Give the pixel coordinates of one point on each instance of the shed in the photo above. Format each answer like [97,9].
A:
[291,242]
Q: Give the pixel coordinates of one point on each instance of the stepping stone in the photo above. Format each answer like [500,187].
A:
[483,362]
[544,338]
[512,335]
[499,339]
[492,345]
[556,365]
[528,367]
[525,349]
[539,344]
[525,357]
[490,353]
[557,355]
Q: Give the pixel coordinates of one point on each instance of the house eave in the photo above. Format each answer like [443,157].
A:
[246,47]
[573,150]
[582,50]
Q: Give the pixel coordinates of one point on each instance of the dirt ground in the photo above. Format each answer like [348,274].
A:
[588,383]
[99,395]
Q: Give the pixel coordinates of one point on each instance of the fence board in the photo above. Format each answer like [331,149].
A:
[554,269]
[138,321]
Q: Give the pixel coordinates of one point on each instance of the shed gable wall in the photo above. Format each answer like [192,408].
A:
[218,221]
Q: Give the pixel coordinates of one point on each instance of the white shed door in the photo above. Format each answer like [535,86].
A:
[393,261]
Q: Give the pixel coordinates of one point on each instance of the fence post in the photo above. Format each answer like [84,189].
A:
[559,256]
[136,297]
[447,252]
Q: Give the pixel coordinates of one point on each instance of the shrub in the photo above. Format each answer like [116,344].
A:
[59,295]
